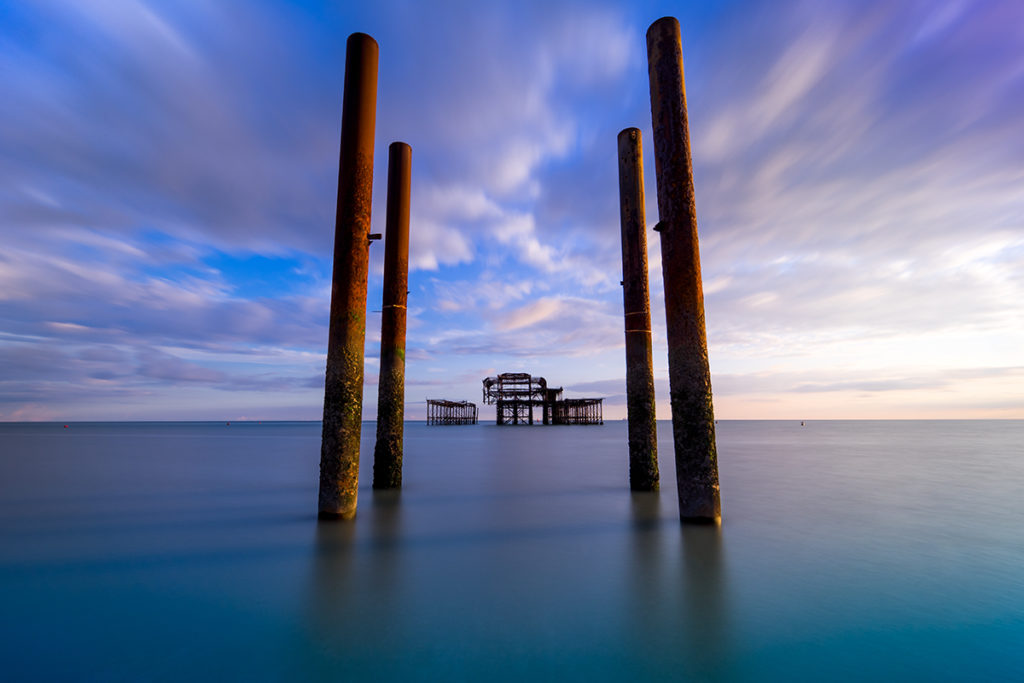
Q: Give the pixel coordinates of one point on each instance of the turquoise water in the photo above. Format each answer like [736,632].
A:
[191,551]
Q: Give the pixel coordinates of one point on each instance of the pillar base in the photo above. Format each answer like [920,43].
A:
[336,516]
[704,521]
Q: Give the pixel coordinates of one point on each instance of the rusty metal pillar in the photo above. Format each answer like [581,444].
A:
[643,429]
[689,375]
[387,455]
[343,389]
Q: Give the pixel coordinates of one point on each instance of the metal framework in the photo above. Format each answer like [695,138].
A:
[444,412]
[515,394]
[579,411]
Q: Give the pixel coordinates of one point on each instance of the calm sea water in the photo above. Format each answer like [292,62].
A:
[191,551]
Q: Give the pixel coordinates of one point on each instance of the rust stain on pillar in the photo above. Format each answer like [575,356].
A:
[387,456]
[343,389]
[643,429]
[693,420]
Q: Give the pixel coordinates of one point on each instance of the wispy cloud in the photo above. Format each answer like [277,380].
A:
[167,204]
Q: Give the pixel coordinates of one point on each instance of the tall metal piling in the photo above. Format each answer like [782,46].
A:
[693,420]
[343,389]
[643,429]
[387,455]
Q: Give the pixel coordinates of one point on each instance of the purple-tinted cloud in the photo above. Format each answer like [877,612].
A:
[856,165]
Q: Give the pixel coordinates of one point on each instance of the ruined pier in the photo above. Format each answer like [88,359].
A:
[515,395]
[441,411]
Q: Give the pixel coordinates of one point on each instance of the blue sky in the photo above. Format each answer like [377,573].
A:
[168,174]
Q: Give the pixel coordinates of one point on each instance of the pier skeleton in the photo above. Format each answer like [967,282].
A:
[441,411]
[516,394]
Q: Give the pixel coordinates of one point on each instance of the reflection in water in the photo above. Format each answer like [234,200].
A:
[704,597]
[355,594]
[515,554]
[646,508]
[678,594]
[332,574]
[645,605]
[648,553]
[384,547]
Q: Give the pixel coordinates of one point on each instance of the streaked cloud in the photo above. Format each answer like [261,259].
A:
[167,203]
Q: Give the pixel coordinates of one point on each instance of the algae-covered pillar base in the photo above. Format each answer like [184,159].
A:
[387,455]
[693,420]
[343,389]
[643,428]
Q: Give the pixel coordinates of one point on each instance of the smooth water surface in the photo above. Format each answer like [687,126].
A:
[191,551]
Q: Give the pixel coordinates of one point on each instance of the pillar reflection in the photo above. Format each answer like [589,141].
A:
[677,597]
[355,594]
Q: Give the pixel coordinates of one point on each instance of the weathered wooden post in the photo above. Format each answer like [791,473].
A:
[643,429]
[343,389]
[387,455]
[689,375]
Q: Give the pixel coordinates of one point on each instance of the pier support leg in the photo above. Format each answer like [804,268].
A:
[643,429]
[387,455]
[343,389]
[693,420]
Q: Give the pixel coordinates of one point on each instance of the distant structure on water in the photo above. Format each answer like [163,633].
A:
[444,412]
[517,393]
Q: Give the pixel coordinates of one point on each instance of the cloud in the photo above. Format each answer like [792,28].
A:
[789,81]
[167,205]
[531,314]
[157,129]
[552,326]
[876,381]
[838,201]
[485,293]
[439,214]
[158,365]
[494,117]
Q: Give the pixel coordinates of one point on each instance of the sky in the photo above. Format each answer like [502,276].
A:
[168,176]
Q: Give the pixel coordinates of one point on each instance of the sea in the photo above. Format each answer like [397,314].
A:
[848,551]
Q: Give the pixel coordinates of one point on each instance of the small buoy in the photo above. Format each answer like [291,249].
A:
[228,424]
[65,426]
[801,423]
